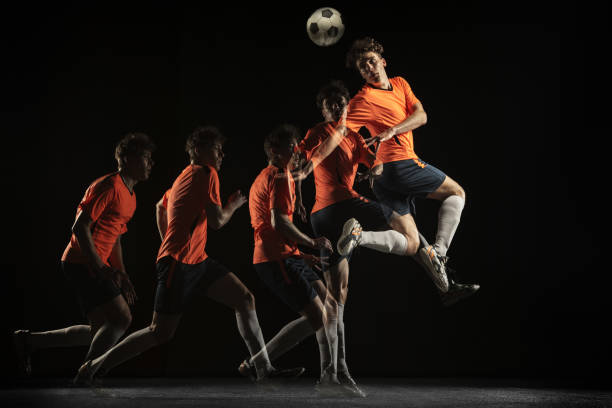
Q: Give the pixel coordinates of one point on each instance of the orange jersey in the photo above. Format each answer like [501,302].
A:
[165,198]
[267,192]
[110,205]
[334,176]
[193,189]
[378,110]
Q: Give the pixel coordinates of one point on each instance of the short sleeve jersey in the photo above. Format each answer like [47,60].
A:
[267,192]
[191,192]
[378,110]
[165,198]
[335,175]
[110,205]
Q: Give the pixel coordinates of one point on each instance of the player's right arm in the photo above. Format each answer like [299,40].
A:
[281,223]
[161,216]
[218,215]
[82,231]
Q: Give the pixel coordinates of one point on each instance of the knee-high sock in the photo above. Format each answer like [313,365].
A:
[79,335]
[390,241]
[325,351]
[341,350]
[287,338]
[331,330]
[249,329]
[448,220]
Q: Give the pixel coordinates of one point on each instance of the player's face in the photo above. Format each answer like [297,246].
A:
[139,165]
[213,155]
[333,108]
[287,154]
[371,66]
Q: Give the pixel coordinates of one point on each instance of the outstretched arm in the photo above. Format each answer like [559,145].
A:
[219,216]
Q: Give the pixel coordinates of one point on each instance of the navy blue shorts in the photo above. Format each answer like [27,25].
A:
[328,221]
[92,289]
[402,181]
[290,279]
[178,283]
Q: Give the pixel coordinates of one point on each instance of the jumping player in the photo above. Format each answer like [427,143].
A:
[390,111]
[93,259]
[278,261]
[335,202]
[184,269]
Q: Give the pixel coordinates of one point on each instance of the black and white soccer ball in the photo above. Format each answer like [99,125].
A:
[325,26]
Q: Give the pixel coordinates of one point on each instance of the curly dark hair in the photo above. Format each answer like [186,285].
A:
[336,95]
[279,137]
[332,92]
[360,47]
[133,143]
[203,136]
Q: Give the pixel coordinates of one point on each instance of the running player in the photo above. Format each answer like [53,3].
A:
[278,261]
[390,111]
[93,259]
[184,270]
[335,202]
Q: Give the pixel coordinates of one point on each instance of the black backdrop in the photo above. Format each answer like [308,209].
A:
[512,101]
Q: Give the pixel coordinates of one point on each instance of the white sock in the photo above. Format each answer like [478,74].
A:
[341,351]
[331,330]
[389,242]
[249,329]
[287,338]
[324,349]
[448,221]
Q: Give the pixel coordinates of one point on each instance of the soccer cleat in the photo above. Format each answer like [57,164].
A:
[434,266]
[350,238]
[248,370]
[350,385]
[456,291]
[24,351]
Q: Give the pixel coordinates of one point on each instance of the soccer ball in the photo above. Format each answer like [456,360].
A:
[325,26]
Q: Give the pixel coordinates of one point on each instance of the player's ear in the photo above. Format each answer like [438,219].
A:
[384,62]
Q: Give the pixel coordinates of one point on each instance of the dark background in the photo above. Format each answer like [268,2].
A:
[514,102]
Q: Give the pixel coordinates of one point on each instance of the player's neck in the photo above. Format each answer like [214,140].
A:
[277,165]
[383,84]
[129,181]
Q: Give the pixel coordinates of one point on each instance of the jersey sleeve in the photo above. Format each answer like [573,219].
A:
[280,195]
[165,199]
[358,114]
[96,200]
[213,188]
[310,142]
[411,99]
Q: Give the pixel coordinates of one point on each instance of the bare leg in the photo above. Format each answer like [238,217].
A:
[79,335]
[230,291]
[161,330]
[112,320]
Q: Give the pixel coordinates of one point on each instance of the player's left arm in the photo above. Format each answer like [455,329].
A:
[122,280]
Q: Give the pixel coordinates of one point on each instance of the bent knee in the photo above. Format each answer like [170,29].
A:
[412,245]
[162,335]
[247,302]
[122,321]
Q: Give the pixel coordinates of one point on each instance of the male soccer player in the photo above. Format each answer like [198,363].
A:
[184,269]
[93,260]
[335,202]
[278,261]
[390,111]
